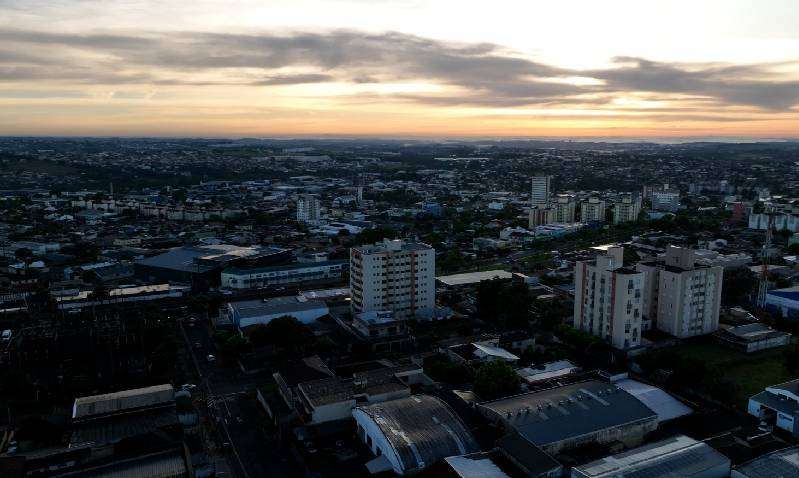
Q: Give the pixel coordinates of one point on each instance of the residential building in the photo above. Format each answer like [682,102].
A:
[394,276]
[290,274]
[541,191]
[309,209]
[676,456]
[564,209]
[592,210]
[681,297]
[412,433]
[778,405]
[608,299]
[565,417]
[382,330]
[541,215]
[626,209]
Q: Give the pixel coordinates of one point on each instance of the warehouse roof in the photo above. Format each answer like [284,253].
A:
[666,406]
[278,305]
[124,400]
[781,463]
[675,456]
[473,277]
[556,414]
[168,464]
[421,429]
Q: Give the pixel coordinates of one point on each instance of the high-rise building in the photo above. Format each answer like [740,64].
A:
[592,210]
[681,297]
[541,215]
[308,209]
[395,276]
[564,209]
[626,209]
[608,299]
[666,201]
[541,191]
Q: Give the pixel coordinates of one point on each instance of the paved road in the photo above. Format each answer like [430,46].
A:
[230,397]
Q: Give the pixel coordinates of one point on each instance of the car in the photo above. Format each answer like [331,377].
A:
[211,358]
[198,345]
[188,386]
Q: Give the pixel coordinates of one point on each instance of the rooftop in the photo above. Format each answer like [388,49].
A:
[552,415]
[422,429]
[278,305]
[469,278]
[781,463]
[123,400]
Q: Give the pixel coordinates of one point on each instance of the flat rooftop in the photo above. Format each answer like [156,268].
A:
[469,278]
[122,400]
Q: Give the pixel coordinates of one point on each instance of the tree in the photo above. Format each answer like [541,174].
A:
[737,286]
[504,303]
[495,380]
[23,254]
[284,332]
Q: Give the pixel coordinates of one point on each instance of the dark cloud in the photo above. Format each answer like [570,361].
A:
[481,74]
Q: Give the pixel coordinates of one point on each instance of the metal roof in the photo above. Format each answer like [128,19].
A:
[666,406]
[676,456]
[779,464]
[278,305]
[161,465]
[550,416]
[123,400]
[421,429]
[473,277]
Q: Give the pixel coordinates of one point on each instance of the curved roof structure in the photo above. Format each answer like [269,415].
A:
[420,430]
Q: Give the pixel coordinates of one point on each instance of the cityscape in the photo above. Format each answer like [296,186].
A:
[321,239]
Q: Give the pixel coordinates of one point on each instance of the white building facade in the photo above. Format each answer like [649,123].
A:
[592,210]
[395,276]
[309,210]
[608,299]
[626,209]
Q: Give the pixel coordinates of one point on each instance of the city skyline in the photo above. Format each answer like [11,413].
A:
[399,68]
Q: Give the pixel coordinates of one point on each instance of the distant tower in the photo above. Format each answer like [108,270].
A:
[359,190]
[111,189]
[762,289]
[540,191]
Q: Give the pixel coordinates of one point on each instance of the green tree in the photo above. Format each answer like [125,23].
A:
[495,380]
[737,286]
[286,333]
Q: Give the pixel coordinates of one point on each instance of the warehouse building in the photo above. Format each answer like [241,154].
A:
[569,416]
[410,434]
[779,464]
[289,274]
[676,456]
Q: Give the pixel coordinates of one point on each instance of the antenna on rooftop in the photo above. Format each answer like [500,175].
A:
[762,289]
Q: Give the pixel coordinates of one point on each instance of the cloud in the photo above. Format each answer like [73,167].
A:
[474,74]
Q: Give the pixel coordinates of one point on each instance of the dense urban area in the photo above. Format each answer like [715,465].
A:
[353,307]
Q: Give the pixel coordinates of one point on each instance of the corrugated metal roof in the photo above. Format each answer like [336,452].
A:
[779,464]
[422,430]
[122,400]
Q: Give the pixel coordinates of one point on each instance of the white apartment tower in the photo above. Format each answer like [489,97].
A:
[592,210]
[608,299]
[682,298]
[626,209]
[393,276]
[541,191]
[308,209]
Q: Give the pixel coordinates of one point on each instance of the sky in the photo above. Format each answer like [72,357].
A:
[400,68]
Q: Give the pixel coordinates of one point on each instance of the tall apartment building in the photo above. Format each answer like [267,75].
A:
[541,215]
[608,299]
[308,209]
[564,209]
[592,210]
[626,209]
[393,276]
[681,297]
[541,191]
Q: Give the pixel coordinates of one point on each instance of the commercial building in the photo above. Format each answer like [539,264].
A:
[666,201]
[676,456]
[781,463]
[189,263]
[394,276]
[750,338]
[626,209]
[247,313]
[778,405]
[569,416]
[309,210]
[412,433]
[608,299]
[540,191]
[592,210]
[681,297]
[786,301]
[289,274]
